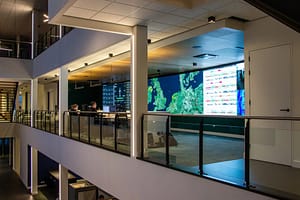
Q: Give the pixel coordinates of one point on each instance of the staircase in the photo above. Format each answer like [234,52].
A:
[8,92]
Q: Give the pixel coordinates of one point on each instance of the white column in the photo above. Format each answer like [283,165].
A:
[63,96]
[63,183]
[34,99]
[139,84]
[34,171]
[63,106]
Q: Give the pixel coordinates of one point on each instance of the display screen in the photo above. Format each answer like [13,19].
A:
[181,93]
[223,90]
[218,91]
[116,97]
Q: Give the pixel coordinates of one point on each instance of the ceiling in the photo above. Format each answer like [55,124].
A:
[163,18]
[15,18]
[227,44]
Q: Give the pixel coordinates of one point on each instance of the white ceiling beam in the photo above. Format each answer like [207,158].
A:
[91,24]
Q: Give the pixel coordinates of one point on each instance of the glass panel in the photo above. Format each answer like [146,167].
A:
[84,127]
[223,149]
[271,168]
[108,130]
[95,129]
[184,143]
[123,133]
[67,124]
[154,138]
[74,125]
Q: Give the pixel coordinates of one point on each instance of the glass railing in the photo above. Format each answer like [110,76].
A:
[103,129]
[46,121]
[218,147]
[49,38]
[22,117]
[14,49]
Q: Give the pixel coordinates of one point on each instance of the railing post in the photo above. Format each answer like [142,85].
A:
[70,125]
[63,133]
[89,128]
[201,147]
[247,154]
[167,141]
[115,133]
[142,137]
[101,125]
[79,127]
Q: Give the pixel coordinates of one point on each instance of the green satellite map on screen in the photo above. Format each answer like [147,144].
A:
[176,94]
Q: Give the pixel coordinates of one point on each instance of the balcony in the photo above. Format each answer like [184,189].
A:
[218,148]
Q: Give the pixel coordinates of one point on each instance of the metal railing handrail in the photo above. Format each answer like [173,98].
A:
[225,116]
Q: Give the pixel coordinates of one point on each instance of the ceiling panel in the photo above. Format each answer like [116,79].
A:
[144,13]
[92,4]
[80,12]
[138,3]
[108,17]
[120,9]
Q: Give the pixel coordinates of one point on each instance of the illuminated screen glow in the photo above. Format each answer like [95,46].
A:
[218,91]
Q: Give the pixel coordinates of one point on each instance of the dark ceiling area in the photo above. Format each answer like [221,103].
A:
[15,18]
[287,12]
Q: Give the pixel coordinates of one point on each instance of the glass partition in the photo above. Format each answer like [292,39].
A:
[218,147]
[109,130]
[223,149]
[271,162]
[155,129]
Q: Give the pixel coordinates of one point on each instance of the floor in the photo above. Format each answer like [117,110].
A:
[11,187]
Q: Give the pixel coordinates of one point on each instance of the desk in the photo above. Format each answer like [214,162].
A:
[55,174]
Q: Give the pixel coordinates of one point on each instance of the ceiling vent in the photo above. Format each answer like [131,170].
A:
[205,56]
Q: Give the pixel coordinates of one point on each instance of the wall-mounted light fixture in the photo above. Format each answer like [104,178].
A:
[46,18]
[110,55]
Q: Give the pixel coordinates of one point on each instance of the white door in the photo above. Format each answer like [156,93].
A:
[270,96]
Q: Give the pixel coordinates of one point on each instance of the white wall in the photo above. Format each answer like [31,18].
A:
[122,176]
[76,44]
[265,33]
[11,68]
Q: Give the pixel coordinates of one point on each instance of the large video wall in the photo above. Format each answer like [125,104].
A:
[216,91]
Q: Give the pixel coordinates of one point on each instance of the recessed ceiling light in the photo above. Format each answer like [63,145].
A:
[196,47]
[205,56]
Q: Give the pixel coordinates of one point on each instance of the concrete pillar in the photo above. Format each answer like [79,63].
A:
[63,96]
[139,84]
[34,99]
[34,171]
[63,183]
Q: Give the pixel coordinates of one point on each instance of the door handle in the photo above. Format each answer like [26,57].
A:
[285,110]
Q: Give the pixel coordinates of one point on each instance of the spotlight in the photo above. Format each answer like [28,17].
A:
[194,64]
[149,41]
[211,19]
[86,64]
[110,55]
